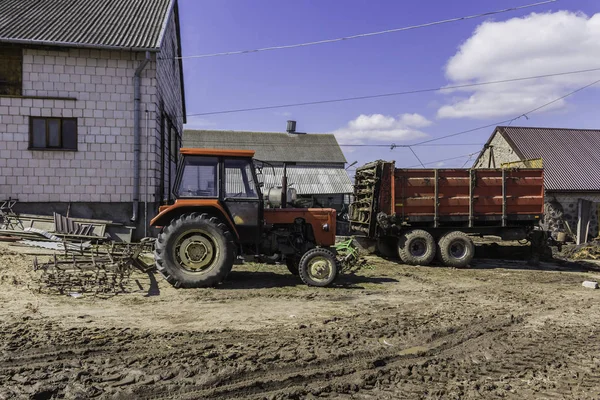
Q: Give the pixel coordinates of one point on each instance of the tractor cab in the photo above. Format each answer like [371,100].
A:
[228,177]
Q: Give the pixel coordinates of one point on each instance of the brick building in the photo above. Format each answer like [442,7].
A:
[91,105]
[571,162]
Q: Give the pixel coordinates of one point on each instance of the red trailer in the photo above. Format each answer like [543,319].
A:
[424,212]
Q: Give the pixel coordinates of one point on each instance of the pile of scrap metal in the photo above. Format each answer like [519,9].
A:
[53,233]
[100,269]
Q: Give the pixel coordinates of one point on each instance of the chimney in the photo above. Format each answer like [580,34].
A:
[291,127]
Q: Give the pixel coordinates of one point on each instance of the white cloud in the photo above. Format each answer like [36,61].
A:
[378,127]
[415,120]
[536,44]
[198,123]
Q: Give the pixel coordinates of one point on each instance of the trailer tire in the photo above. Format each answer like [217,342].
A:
[194,251]
[456,249]
[416,247]
[318,267]
[388,247]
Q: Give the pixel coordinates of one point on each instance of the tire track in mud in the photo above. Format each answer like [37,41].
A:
[26,359]
[337,370]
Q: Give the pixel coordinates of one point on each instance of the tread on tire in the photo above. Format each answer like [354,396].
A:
[212,232]
[305,271]
[416,247]
[456,249]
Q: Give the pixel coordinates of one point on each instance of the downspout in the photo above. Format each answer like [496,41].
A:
[137,134]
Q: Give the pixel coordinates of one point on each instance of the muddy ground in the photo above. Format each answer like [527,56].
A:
[500,329]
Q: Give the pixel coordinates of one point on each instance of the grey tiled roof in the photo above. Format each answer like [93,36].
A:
[271,146]
[571,157]
[118,24]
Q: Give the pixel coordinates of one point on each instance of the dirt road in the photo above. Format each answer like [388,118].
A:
[498,330]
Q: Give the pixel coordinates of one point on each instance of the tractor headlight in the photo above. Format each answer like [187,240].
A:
[325,227]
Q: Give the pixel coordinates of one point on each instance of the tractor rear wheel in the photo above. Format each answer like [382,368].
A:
[416,247]
[194,250]
[456,249]
[318,267]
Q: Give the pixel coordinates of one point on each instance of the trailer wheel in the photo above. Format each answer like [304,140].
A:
[318,267]
[195,250]
[456,249]
[416,247]
[292,265]
[388,247]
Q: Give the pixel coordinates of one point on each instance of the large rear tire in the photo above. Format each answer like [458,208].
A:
[318,267]
[194,250]
[416,247]
[456,249]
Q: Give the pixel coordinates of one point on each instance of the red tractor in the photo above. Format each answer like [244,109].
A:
[220,215]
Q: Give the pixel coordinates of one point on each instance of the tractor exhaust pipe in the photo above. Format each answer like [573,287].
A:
[284,187]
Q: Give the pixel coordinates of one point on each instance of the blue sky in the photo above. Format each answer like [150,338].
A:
[514,44]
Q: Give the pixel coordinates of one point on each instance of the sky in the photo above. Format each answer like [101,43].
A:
[558,37]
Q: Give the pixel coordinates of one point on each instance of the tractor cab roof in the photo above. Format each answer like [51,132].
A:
[217,152]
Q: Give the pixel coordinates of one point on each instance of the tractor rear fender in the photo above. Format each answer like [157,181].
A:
[322,220]
[186,206]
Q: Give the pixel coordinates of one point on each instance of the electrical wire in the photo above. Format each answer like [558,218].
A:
[429,142]
[363,35]
[525,114]
[407,92]
[416,156]
[445,159]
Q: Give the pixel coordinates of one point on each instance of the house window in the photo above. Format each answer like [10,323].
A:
[53,133]
[11,71]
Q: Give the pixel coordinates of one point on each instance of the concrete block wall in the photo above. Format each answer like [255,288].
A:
[96,87]
[570,204]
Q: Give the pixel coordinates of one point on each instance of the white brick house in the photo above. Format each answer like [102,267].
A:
[70,122]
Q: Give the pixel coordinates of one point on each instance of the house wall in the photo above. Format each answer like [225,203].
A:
[502,153]
[96,87]
[169,111]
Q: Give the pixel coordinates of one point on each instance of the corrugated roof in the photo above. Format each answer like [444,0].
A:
[271,146]
[310,180]
[120,24]
[571,157]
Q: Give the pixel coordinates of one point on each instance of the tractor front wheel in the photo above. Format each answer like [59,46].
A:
[318,267]
[194,250]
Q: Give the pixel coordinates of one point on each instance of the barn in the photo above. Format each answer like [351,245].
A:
[571,162]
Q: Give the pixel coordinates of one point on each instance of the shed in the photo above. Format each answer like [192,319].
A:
[571,162]
[315,162]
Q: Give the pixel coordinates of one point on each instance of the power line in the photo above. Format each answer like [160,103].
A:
[363,35]
[429,142]
[525,114]
[416,91]
[391,145]
[445,159]
[416,156]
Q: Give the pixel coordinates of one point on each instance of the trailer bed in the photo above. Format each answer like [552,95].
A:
[446,197]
